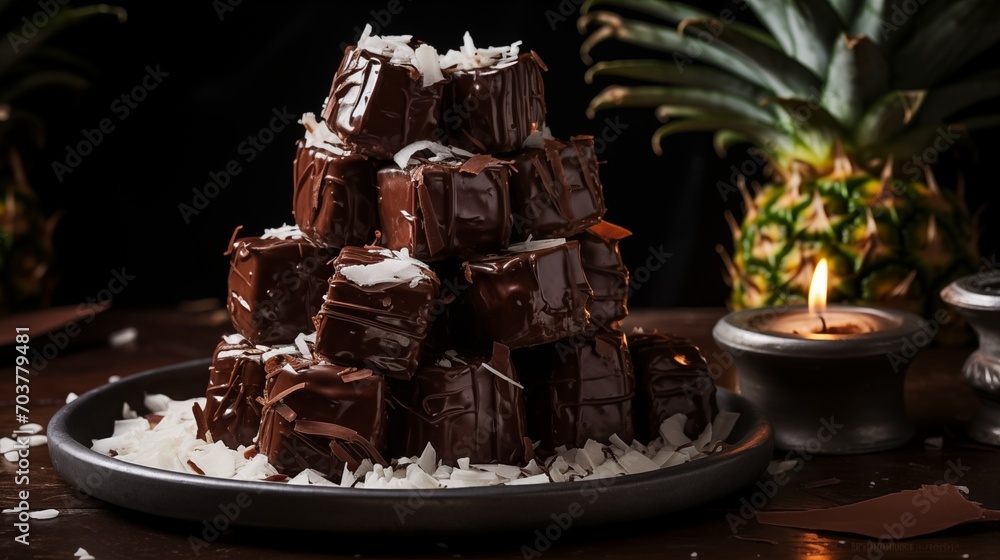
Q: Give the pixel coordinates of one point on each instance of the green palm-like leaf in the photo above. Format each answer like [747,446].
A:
[659,71]
[964,29]
[40,80]
[857,76]
[772,68]
[845,9]
[706,99]
[869,20]
[64,19]
[773,142]
[805,29]
[945,101]
[889,116]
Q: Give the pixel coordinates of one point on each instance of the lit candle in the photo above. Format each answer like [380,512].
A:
[819,322]
[821,368]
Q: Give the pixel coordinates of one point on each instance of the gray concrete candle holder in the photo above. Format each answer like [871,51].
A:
[823,393]
[977,298]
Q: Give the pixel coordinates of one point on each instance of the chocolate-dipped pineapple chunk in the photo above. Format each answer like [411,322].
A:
[672,378]
[606,272]
[587,392]
[533,294]
[276,284]
[235,382]
[377,311]
[334,189]
[321,416]
[496,96]
[556,191]
[465,406]
[386,95]
[455,208]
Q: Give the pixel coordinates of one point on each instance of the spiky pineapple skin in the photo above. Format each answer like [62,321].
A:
[25,250]
[878,238]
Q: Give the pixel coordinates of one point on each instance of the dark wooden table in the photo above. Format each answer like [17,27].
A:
[937,400]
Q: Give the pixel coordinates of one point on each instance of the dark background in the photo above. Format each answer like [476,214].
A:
[227,74]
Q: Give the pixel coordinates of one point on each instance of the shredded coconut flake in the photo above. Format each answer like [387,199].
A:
[528,246]
[398,267]
[318,135]
[497,373]
[284,232]
[82,554]
[468,56]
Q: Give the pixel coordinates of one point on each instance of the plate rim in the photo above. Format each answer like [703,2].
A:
[65,449]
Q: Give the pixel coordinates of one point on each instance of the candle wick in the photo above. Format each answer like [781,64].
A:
[822,320]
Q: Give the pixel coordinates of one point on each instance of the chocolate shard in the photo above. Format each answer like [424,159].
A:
[606,272]
[557,190]
[462,406]
[580,388]
[494,109]
[535,294]
[377,311]
[672,378]
[276,284]
[235,383]
[378,107]
[313,418]
[334,198]
[901,515]
[438,210]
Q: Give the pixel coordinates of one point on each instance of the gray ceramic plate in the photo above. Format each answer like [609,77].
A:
[459,510]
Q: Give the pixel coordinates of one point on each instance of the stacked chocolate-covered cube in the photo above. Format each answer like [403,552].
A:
[450,256]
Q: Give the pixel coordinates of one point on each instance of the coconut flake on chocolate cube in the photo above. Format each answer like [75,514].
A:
[535,293]
[386,94]
[377,311]
[580,388]
[672,378]
[334,197]
[321,416]
[606,272]
[557,190]
[235,382]
[495,98]
[454,207]
[276,284]
[466,406]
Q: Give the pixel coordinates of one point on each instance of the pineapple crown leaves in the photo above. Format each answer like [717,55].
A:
[865,76]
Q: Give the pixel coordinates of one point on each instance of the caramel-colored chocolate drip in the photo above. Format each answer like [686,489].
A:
[606,272]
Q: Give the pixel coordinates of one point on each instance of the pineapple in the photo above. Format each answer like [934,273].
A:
[846,100]
[31,63]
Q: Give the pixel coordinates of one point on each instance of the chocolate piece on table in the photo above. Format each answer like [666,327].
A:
[334,196]
[276,284]
[557,190]
[606,272]
[583,390]
[437,210]
[321,416]
[379,107]
[463,407]
[236,380]
[534,294]
[377,311]
[672,378]
[495,108]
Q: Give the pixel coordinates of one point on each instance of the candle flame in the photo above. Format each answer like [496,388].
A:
[817,289]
